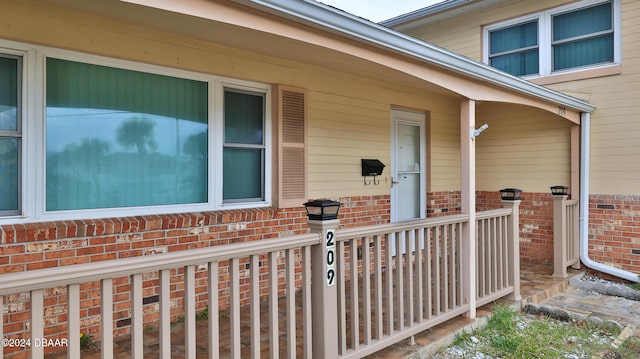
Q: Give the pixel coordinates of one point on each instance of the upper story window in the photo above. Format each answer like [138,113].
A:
[515,49]
[574,37]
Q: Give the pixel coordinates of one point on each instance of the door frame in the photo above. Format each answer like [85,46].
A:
[415,118]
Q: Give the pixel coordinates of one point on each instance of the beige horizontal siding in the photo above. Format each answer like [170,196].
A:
[523,148]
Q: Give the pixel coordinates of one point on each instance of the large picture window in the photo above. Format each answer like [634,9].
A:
[104,137]
[10,135]
[121,138]
[574,37]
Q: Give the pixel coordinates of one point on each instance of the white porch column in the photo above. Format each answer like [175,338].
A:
[324,292]
[468,199]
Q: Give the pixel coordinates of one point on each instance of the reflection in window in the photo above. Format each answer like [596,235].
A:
[121,138]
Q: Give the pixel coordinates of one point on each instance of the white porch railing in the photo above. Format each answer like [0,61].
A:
[566,235]
[382,298]
[244,265]
[418,288]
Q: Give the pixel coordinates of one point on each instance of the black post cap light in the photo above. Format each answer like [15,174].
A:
[559,190]
[322,209]
[510,194]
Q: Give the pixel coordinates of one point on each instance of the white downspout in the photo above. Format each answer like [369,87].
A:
[584,207]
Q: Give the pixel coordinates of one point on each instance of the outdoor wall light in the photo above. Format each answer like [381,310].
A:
[473,133]
[559,190]
[322,209]
[510,194]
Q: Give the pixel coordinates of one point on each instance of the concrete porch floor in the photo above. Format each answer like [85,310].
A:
[537,284]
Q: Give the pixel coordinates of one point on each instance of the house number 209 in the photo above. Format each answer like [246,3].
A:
[330,258]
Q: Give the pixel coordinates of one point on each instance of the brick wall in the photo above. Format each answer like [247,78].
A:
[536,223]
[443,203]
[614,230]
[25,247]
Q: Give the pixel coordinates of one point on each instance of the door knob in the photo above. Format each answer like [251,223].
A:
[393,182]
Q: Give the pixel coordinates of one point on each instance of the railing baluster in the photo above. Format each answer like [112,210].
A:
[389,282]
[419,280]
[366,290]
[106,325]
[378,289]
[214,322]
[480,262]
[274,334]
[409,280]
[254,268]
[445,268]
[505,241]
[165,313]
[307,323]
[234,307]
[452,266]
[493,250]
[399,285]
[459,269]
[190,312]
[354,295]
[37,322]
[137,341]
[436,270]
[499,252]
[342,300]
[73,320]
[428,275]
[290,302]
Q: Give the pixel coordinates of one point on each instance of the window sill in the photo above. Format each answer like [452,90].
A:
[134,212]
[608,70]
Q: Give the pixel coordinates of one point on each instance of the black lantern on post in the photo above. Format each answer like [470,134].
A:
[322,209]
[559,190]
[510,194]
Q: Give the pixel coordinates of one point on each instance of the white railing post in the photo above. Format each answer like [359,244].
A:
[513,231]
[324,292]
[559,236]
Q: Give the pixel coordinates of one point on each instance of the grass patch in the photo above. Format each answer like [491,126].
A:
[510,334]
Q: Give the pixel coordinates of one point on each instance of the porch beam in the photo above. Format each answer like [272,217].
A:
[468,202]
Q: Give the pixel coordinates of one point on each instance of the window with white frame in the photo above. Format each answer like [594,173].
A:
[130,138]
[10,135]
[574,37]
[244,146]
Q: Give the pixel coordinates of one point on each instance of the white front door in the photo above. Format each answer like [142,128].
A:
[408,186]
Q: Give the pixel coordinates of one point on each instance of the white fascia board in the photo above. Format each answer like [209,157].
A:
[341,23]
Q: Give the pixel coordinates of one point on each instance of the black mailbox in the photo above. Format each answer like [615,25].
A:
[372,167]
